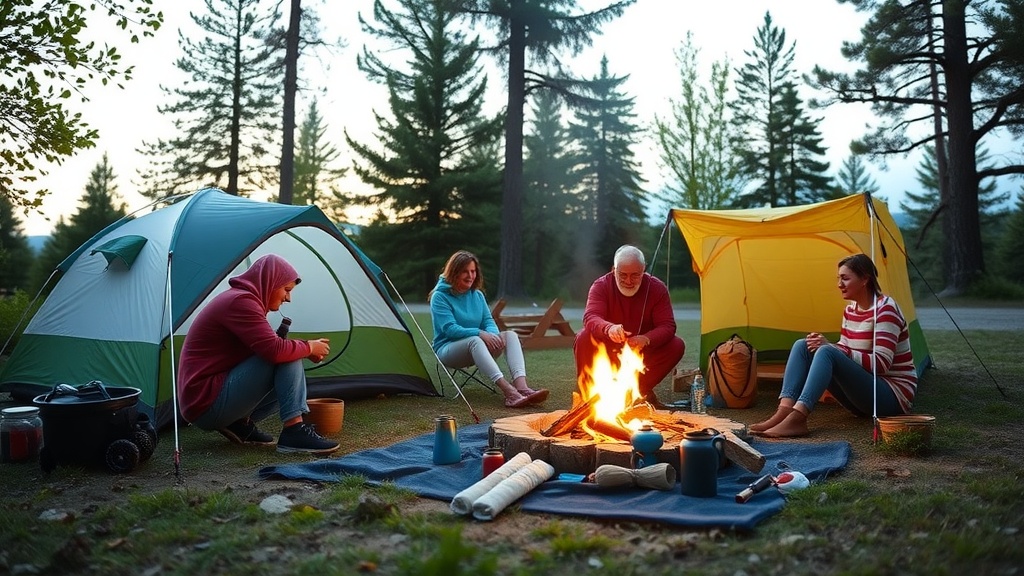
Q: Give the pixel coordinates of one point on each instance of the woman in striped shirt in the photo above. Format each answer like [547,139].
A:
[874,332]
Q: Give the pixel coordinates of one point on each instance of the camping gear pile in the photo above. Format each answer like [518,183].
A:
[406,465]
[94,424]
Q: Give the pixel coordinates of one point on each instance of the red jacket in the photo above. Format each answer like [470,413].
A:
[648,312]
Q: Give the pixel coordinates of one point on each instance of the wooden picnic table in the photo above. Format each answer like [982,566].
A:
[537,331]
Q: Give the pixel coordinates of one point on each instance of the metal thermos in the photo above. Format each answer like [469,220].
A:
[699,454]
[282,330]
[446,441]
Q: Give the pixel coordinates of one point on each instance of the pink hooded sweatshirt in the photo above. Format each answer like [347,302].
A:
[232,328]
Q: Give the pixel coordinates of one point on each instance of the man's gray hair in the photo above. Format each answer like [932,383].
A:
[628,253]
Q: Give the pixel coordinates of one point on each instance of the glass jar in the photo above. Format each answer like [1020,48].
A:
[21,434]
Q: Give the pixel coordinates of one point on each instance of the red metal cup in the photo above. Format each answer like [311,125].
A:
[493,459]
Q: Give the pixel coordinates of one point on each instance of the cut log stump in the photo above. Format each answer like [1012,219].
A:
[524,433]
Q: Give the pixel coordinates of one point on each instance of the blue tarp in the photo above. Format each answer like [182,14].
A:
[408,464]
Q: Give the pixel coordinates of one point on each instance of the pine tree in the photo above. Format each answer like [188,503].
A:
[302,34]
[803,179]
[694,142]
[548,174]
[15,253]
[540,29]
[759,114]
[425,162]
[314,177]
[853,178]
[955,60]
[98,207]
[226,116]
[611,196]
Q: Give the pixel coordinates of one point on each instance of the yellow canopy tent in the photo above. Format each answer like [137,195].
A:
[769,274]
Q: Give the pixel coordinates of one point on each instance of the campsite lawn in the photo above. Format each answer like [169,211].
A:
[957,509]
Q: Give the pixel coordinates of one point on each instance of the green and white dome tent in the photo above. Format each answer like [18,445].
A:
[108,316]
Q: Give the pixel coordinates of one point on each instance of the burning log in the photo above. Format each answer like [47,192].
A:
[610,429]
[570,419]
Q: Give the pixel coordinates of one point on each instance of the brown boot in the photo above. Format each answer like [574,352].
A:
[780,414]
[793,426]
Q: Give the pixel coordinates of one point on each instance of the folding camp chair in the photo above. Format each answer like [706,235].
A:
[463,377]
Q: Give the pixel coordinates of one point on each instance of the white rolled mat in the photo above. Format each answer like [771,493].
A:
[462,503]
[511,489]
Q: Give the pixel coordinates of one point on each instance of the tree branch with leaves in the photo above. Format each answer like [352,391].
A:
[46,63]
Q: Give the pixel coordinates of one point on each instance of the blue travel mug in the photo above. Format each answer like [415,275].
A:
[446,441]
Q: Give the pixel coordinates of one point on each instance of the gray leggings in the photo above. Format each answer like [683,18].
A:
[472,350]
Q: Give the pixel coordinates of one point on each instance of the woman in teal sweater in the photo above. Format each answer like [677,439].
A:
[465,334]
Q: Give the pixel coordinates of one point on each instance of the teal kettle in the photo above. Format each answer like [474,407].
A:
[646,441]
[699,458]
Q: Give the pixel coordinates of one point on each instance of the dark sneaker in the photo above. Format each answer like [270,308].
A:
[303,438]
[244,431]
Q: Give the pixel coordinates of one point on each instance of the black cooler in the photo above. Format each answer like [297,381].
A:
[94,424]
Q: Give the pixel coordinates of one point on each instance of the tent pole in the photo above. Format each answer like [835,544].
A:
[874,326]
[423,335]
[174,374]
[650,268]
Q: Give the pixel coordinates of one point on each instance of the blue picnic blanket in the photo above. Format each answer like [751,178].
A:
[408,464]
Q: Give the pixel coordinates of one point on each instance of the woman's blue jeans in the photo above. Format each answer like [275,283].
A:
[808,375]
[257,388]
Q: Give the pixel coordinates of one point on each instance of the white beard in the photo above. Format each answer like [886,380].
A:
[627,292]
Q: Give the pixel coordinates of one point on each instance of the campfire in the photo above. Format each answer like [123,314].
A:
[605,412]
[608,405]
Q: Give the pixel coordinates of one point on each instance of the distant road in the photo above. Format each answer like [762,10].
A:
[999,319]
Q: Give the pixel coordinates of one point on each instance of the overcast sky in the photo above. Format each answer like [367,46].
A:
[640,44]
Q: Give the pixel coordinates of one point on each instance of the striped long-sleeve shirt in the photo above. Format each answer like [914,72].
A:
[892,354]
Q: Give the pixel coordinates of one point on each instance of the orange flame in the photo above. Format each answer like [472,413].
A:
[618,386]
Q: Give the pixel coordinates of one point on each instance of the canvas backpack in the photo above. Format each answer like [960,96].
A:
[732,374]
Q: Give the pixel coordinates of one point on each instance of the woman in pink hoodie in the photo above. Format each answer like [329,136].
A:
[235,370]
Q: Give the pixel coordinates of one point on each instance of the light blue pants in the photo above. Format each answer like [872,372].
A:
[257,388]
[808,375]
[470,351]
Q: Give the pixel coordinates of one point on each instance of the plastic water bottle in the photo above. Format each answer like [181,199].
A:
[282,330]
[697,394]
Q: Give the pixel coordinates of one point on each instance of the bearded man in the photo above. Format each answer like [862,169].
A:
[629,306]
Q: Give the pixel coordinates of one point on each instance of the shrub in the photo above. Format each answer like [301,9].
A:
[992,287]
[12,311]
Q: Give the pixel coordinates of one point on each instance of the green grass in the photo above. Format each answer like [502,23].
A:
[956,509]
